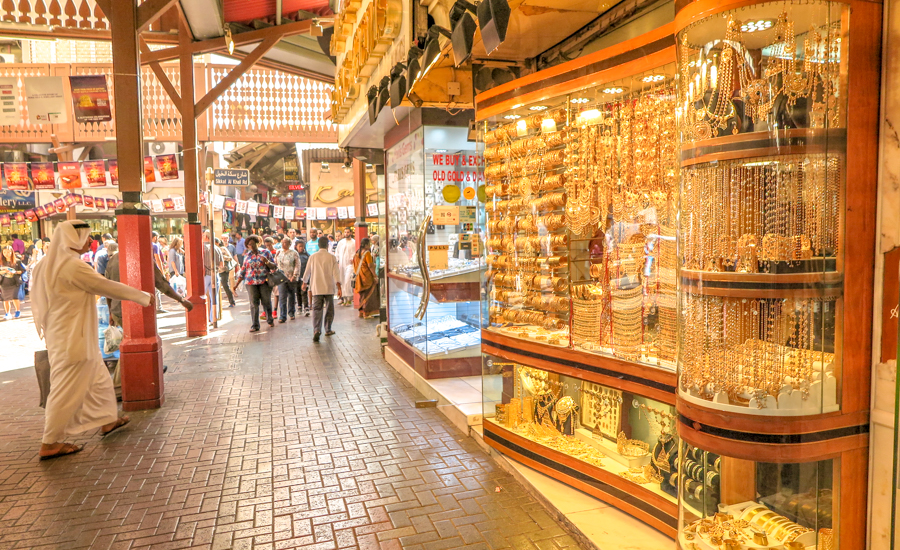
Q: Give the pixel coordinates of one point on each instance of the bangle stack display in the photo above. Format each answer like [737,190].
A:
[574,187]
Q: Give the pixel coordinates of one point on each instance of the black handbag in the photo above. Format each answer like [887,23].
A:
[275,278]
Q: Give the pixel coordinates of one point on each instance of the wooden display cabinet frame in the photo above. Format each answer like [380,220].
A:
[842,435]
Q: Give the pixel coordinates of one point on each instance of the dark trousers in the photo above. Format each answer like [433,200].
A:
[260,294]
[302,298]
[226,285]
[326,302]
[287,299]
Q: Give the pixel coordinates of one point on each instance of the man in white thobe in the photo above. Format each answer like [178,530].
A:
[345,250]
[65,314]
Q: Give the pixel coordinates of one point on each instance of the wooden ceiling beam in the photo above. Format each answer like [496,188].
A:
[162,77]
[151,10]
[218,44]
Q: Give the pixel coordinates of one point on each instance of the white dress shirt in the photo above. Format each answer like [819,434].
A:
[322,273]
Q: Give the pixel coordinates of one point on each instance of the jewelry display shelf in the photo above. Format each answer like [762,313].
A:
[777,156]
[457,288]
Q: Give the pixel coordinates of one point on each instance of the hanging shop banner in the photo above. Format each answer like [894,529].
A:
[95,172]
[342,212]
[231,176]
[278,213]
[372,209]
[31,215]
[291,170]
[79,199]
[351,212]
[19,217]
[289,213]
[42,175]
[69,175]
[252,208]
[322,213]
[168,205]
[300,213]
[156,205]
[16,174]
[90,98]
[46,99]
[4,220]
[241,207]
[114,172]
[331,213]
[230,204]
[149,175]
[218,202]
[100,204]
[179,203]
[112,204]
[70,200]
[310,213]
[88,201]
[9,101]
[60,205]
[167,166]
[263,210]
[41,212]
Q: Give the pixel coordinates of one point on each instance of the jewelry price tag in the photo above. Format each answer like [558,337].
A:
[437,256]
[445,215]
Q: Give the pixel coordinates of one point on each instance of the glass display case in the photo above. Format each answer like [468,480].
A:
[763,143]
[581,219]
[433,258]
[731,503]
[616,437]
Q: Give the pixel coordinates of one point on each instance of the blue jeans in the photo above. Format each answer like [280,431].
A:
[287,300]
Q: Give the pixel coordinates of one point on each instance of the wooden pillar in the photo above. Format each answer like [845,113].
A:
[141,349]
[359,204]
[193,230]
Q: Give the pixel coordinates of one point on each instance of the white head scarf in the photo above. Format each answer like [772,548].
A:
[68,235]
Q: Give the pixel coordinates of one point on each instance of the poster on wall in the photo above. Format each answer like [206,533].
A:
[90,98]
[42,175]
[16,174]
[45,98]
[69,175]
[95,173]
[167,166]
[114,171]
[149,176]
[9,101]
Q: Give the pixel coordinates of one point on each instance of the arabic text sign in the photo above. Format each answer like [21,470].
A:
[231,176]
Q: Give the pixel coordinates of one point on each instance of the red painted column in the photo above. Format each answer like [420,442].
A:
[141,348]
[196,319]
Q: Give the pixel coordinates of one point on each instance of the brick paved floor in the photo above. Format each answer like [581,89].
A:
[265,441]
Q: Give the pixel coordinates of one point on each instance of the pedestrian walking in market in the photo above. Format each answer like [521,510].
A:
[81,394]
[11,271]
[258,263]
[225,269]
[322,279]
[302,295]
[289,263]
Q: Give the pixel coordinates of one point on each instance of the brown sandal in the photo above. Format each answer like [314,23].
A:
[66,449]
[121,421]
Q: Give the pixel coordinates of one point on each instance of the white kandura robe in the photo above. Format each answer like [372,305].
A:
[82,396]
[345,251]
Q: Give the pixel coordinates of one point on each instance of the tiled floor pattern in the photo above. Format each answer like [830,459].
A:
[265,441]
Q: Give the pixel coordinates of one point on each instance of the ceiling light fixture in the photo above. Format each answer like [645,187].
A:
[228,40]
[613,90]
[654,78]
[538,108]
[755,26]
[512,117]
[578,100]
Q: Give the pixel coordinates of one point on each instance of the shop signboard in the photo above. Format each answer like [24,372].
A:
[291,170]
[9,101]
[231,177]
[90,98]
[46,99]
[14,201]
